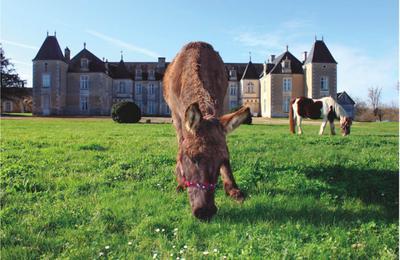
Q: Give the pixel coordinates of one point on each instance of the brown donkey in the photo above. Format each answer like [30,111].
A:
[195,84]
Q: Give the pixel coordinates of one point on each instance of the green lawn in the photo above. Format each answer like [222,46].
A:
[80,189]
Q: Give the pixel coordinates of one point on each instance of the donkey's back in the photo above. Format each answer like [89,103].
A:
[197,74]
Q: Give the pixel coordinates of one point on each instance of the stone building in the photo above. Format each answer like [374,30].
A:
[16,100]
[87,85]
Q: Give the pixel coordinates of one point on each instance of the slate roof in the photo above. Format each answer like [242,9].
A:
[50,50]
[343,97]
[295,65]
[320,54]
[120,71]
[95,64]
[250,72]
[14,93]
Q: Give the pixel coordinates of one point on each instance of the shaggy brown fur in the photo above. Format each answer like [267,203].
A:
[194,87]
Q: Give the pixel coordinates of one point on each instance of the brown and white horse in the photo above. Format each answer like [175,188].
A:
[195,84]
[326,108]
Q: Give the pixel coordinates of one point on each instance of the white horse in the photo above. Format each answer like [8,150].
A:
[326,108]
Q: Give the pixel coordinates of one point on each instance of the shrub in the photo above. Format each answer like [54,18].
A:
[125,112]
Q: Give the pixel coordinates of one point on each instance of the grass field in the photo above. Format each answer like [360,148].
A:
[78,189]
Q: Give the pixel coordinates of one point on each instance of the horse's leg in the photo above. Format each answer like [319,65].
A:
[332,125]
[300,130]
[230,185]
[321,130]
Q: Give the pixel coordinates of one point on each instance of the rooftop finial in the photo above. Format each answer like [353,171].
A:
[322,38]
[122,56]
[315,37]
[84,45]
[287,47]
[47,32]
[250,56]
[55,33]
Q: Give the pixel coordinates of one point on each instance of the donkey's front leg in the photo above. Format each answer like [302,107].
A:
[321,130]
[230,185]
[179,174]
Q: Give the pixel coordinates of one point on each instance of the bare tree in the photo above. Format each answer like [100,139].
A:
[374,98]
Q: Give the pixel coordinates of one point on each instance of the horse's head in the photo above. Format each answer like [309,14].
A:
[203,153]
[345,124]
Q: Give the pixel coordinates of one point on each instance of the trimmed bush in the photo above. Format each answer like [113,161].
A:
[125,112]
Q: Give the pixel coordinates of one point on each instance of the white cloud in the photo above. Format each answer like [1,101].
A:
[18,44]
[123,44]
[358,71]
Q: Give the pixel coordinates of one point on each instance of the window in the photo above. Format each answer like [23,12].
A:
[286,68]
[232,73]
[232,104]
[45,67]
[46,80]
[286,102]
[232,90]
[324,83]
[7,106]
[151,74]
[84,103]
[84,82]
[138,74]
[287,85]
[250,87]
[151,107]
[84,64]
[138,89]
[152,89]
[122,88]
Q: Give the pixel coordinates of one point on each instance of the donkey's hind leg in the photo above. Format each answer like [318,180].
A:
[300,130]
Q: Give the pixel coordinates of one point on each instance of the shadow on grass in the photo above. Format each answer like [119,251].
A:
[372,187]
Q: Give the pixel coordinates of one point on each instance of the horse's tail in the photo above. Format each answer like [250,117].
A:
[291,116]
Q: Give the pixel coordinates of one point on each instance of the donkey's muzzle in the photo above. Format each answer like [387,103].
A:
[205,213]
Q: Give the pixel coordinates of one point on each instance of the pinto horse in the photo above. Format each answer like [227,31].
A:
[195,84]
[326,108]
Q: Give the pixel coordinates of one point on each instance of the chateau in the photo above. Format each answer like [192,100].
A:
[87,85]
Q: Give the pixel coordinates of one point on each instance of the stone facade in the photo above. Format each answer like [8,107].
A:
[86,85]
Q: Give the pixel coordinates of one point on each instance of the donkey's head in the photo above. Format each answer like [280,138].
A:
[345,124]
[203,153]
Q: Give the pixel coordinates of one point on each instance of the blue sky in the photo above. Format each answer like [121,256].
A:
[362,35]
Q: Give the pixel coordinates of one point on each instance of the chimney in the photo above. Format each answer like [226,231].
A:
[67,54]
[272,58]
[305,56]
[161,62]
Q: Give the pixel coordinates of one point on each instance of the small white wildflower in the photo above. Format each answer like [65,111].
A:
[224,257]
[157,230]
[215,250]
[176,229]
[181,252]
[101,254]
[173,246]
[154,256]
[130,243]
[205,253]
[177,258]
[162,230]
[185,246]
[171,254]
[107,247]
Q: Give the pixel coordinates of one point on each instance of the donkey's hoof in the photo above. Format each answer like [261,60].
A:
[237,195]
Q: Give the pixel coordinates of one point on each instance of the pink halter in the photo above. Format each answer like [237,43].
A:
[198,185]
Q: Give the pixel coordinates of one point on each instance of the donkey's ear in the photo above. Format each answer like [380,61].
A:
[231,121]
[192,117]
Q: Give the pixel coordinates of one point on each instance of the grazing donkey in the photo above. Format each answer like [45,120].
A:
[325,107]
[195,84]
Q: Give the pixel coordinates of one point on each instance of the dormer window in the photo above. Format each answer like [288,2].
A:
[122,88]
[151,74]
[232,73]
[286,68]
[84,63]
[138,74]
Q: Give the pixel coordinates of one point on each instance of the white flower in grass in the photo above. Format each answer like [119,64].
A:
[215,250]
[173,246]
[101,254]
[185,246]
[177,258]
[181,252]
[205,253]
[175,229]
[154,256]
[157,230]
[224,257]
[162,230]
[172,254]
[107,247]
[130,243]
